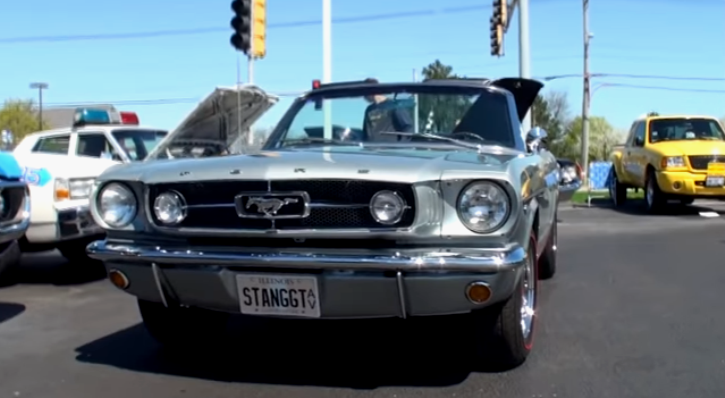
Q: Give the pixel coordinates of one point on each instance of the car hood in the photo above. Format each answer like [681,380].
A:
[223,116]
[689,147]
[380,164]
[523,90]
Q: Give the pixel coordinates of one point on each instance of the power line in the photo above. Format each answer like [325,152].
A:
[662,88]
[206,30]
[190,100]
[659,77]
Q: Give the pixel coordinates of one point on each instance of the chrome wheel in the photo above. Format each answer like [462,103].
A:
[528,298]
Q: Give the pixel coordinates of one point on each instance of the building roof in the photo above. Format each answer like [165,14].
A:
[61,117]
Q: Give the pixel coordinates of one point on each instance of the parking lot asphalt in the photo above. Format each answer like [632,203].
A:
[634,311]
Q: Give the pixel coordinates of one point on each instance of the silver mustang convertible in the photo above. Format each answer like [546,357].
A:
[368,200]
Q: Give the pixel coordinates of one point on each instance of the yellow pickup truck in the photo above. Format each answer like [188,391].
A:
[675,157]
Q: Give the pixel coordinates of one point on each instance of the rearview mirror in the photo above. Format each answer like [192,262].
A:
[535,137]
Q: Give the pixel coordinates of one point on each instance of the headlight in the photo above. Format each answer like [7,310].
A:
[483,206]
[673,161]
[387,207]
[170,208]
[72,189]
[568,173]
[116,205]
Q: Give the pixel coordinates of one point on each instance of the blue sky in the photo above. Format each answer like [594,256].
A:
[653,37]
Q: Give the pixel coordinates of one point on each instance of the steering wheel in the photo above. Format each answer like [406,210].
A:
[466,134]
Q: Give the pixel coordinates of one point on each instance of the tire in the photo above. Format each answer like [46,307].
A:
[617,191]
[547,261]
[654,199]
[9,261]
[75,251]
[182,328]
[500,341]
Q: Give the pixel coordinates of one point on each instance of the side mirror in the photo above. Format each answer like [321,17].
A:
[639,141]
[535,137]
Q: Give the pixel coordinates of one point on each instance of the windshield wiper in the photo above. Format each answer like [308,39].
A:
[458,142]
[316,140]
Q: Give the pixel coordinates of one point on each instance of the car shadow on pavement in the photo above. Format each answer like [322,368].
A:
[9,311]
[350,354]
[51,268]
[636,207]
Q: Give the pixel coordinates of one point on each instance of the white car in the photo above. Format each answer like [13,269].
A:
[60,167]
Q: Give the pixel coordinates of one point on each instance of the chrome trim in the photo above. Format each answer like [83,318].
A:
[401,294]
[313,205]
[157,281]
[243,213]
[464,260]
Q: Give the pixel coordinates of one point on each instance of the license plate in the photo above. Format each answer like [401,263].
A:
[285,295]
[713,181]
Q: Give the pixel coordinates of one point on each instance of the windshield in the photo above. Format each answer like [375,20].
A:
[684,129]
[138,143]
[375,114]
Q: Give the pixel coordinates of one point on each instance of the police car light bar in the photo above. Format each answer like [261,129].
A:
[95,116]
[129,118]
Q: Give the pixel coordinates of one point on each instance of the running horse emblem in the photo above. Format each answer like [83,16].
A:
[269,206]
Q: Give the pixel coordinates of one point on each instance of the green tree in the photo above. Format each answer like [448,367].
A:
[551,112]
[19,117]
[440,112]
[602,137]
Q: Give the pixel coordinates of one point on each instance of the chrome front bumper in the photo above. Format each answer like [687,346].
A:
[372,284]
[566,191]
[77,223]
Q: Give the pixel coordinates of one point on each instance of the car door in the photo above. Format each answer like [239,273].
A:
[637,156]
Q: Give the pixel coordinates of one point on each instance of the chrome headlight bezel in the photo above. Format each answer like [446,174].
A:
[505,200]
[392,196]
[129,214]
[174,196]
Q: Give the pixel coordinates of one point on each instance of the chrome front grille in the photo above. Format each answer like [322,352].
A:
[700,162]
[12,201]
[332,204]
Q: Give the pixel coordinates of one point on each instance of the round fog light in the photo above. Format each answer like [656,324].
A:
[478,292]
[387,207]
[677,185]
[170,208]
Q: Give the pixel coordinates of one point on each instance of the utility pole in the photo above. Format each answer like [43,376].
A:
[327,62]
[587,95]
[40,87]
[524,53]
[416,118]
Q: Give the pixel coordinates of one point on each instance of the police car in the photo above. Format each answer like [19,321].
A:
[60,167]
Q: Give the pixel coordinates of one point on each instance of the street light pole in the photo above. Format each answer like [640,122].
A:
[327,62]
[587,95]
[524,53]
[40,87]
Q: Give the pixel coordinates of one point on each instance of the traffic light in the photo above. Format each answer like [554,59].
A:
[259,28]
[250,27]
[496,38]
[242,25]
[499,20]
